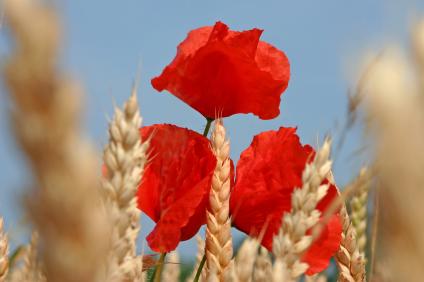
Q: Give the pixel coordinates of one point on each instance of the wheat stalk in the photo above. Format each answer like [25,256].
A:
[65,205]
[262,271]
[31,270]
[291,241]
[124,156]
[219,249]
[4,252]
[350,262]
[358,205]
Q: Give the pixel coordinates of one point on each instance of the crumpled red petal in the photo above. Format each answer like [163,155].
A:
[172,193]
[267,173]
[220,71]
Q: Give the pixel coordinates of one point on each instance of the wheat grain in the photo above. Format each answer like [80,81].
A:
[358,205]
[171,270]
[65,205]
[219,248]
[350,262]
[124,156]
[4,252]
[291,241]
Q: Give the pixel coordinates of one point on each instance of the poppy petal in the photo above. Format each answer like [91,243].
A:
[172,193]
[267,173]
[217,70]
[319,254]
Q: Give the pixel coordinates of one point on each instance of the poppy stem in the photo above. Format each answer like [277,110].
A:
[157,273]
[208,126]
[199,269]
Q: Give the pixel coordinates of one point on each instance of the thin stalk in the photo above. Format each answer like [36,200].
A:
[208,126]
[157,273]
[200,268]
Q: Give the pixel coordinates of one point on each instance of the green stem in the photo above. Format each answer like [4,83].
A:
[208,126]
[157,273]
[199,269]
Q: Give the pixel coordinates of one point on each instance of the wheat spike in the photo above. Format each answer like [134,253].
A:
[394,107]
[262,271]
[316,278]
[4,252]
[31,270]
[418,49]
[219,248]
[358,206]
[199,256]
[64,206]
[124,157]
[350,262]
[292,241]
[171,270]
[245,260]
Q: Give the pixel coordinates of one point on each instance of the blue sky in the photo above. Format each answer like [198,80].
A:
[106,41]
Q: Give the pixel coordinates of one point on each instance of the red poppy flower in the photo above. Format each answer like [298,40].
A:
[175,186]
[267,173]
[217,70]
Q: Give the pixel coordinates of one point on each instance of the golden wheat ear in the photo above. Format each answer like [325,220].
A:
[358,208]
[289,244]
[125,156]
[199,256]
[171,269]
[262,271]
[219,246]
[31,270]
[316,278]
[4,252]
[64,205]
[395,117]
[244,262]
[350,262]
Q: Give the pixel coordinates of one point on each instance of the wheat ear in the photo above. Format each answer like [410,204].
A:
[64,205]
[171,269]
[316,278]
[418,49]
[199,256]
[262,271]
[291,241]
[358,206]
[245,261]
[4,252]
[395,118]
[349,261]
[219,248]
[31,270]
[124,157]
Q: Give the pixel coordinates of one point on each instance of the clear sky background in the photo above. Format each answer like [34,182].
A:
[105,41]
